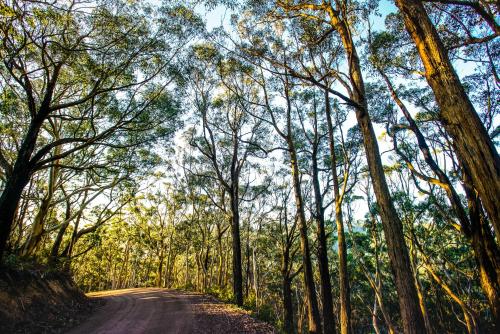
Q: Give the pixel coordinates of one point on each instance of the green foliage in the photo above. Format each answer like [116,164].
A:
[154,123]
[224,294]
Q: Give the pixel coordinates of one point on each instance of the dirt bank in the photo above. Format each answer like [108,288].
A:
[36,301]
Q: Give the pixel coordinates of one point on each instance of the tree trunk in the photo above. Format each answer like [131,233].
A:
[255,277]
[473,145]
[302,314]
[37,230]
[20,176]
[54,253]
[313,317]
[186,279]
[345,303]
[411,314]
[68,250]
[38,225]
[374,317]
[314,320]
[286,267]
[486,251]
[247,269]
[413,321]
[287,305]
[9,200]
[221,257]
[226,265]
[326,287]
[235,230]
[487,258]
[160,271]
[206,258]
[19,220]
[420,292]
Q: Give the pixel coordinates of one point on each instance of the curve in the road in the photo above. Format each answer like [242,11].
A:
[142,310]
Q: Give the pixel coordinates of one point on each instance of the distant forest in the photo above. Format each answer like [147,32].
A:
[330,165]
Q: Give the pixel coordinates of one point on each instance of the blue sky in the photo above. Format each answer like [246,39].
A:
[214,17]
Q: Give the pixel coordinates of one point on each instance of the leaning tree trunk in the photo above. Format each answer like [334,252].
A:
[474,147]
[411,314]
[54,252]
[37,230]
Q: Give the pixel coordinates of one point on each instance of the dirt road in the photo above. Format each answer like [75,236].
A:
[154,311]
[139,311]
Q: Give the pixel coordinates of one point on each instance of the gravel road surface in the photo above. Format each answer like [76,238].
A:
[154,311]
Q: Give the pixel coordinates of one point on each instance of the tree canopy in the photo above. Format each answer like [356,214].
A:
[331,166]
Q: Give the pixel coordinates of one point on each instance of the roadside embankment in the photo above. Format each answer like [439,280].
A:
[40,301]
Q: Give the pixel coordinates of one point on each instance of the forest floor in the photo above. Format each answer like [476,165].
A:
[151,310]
